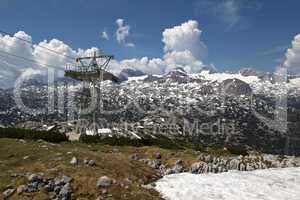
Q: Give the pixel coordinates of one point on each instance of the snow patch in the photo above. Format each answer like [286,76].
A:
[220,77]
[271,184]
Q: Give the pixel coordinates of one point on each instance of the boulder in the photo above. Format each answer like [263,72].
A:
[104,182]
[7,193]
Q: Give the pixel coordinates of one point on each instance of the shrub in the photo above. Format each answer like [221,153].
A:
[162,141]
[19,133]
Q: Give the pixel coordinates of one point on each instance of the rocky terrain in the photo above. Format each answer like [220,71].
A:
[42,170]
[212,109]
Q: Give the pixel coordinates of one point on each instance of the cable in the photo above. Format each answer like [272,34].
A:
[51,50]
[30,60]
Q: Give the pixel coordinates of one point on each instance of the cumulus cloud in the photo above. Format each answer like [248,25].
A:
[183,48]
[183,59]
[293,55]
[37,59]
[186,37]
[104,35]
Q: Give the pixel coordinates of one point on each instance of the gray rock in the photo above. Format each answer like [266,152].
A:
[7,193]
[179,167]
[74,161]
[35,178]
[201,157]
[134,157]
[197,167]
[66,179]
[50,186]
[65,192]
[92,163]
[209,158]
[155,164]
[104,182]
[234,164]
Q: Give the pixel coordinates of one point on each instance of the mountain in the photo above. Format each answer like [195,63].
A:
[130,72]
[236,87]
[176,105]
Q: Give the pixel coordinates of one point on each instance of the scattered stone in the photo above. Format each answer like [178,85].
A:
[65,192]
[179,167]
[155,164]
[7,193]
[74,161]
[104,182]
[92,163]
[25,157]
[35,178]
[134,157]
[66,179]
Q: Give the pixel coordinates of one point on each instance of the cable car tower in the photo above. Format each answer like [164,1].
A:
[92,70]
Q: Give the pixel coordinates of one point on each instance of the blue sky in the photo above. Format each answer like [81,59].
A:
[237,33]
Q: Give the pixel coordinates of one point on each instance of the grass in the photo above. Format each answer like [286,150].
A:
[112,161]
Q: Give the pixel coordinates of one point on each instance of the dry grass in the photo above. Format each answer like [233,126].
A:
[53,160]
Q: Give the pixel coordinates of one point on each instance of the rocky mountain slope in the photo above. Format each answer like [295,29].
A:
[238,110]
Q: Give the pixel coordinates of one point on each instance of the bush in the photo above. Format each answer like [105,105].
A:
[19,133]
[237,150]
[162,141]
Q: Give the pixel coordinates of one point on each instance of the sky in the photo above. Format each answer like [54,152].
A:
[229,34]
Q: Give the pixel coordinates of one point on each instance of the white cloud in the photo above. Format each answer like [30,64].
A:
[104,35]
[183,48]
[11,67]
[123,31]
[184,59]
[187,36]
[42,55]
[293,55]
[130,45]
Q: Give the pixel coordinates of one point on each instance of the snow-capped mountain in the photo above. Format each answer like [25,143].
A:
[223,109]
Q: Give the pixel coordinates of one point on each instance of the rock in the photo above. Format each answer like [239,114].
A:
[25,157]
[104,182]
[157,155]
[209,158]
[50,186]
[134,157]
[234,164]
[35,178]
[242,167]
[104,191]
[21,189]
[74,161]
[65,192]
[152,163]
[66,179]
[92,163]
[196,168]
[32,187]
[7,193]
[201,157]
[179,167]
